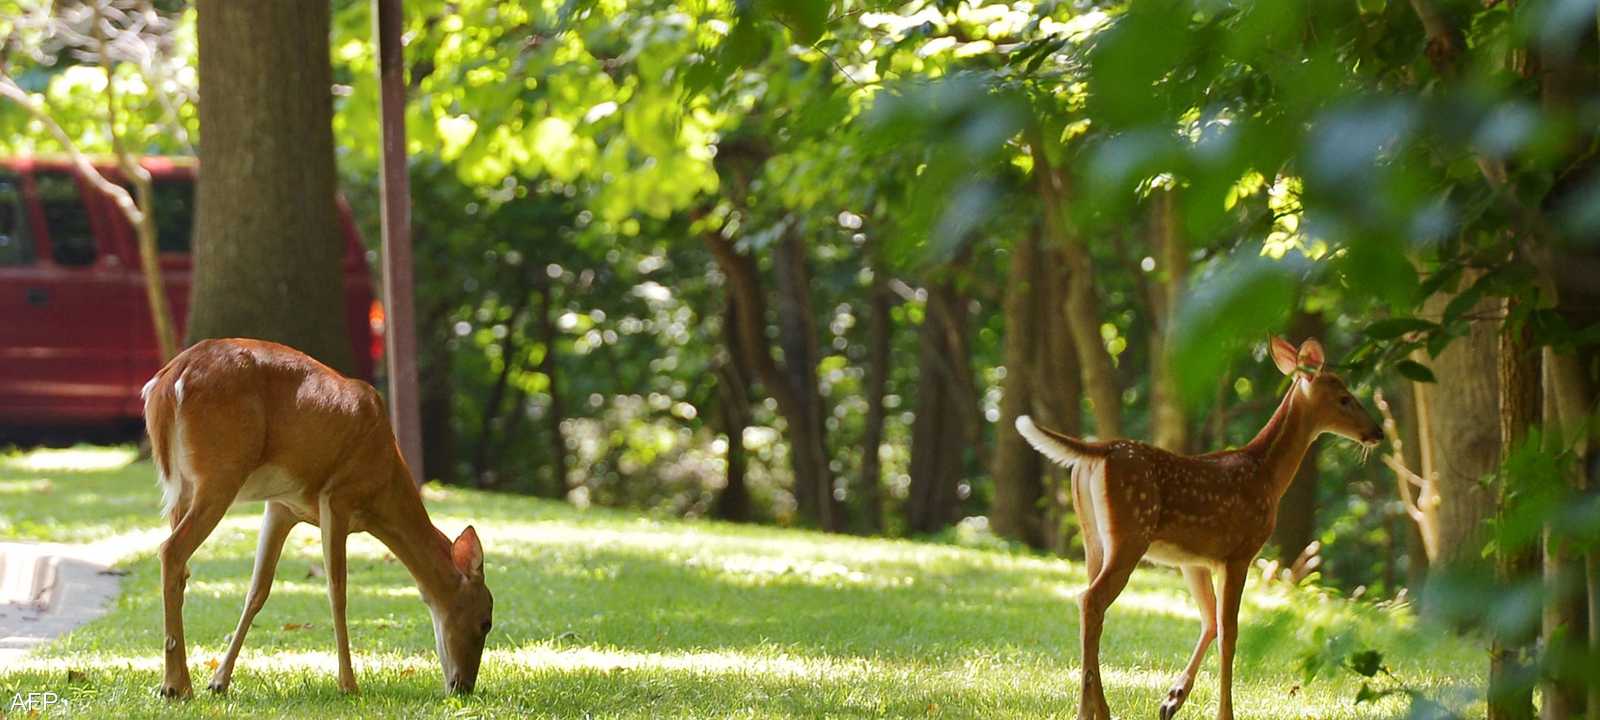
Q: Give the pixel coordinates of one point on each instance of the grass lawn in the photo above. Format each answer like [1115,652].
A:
[607,614]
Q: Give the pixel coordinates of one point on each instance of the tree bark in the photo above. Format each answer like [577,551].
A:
[879,337]
[1458,448]
[940,431]
[1058,388]
[1168,422]
[797,336]
[1511,675]
[1082,307]
[733,414]
[268,249]
[1017,512]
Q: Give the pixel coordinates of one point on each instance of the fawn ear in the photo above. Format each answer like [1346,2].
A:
[467,553]
[1284,356]
[1310,355]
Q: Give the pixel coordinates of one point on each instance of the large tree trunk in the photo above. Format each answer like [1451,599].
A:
[1057,389]
[733,414]
[879,337]
[1017,511]
[797,336]
[1458,447]
[940,431]
[1082,307]
[1169,426]
[268,248]
[1566,403]
[1511,674]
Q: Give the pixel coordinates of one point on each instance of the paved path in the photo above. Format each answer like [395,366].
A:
[48,589]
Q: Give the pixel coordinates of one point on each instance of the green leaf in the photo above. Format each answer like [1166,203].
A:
[1415,371]
[1367,663]
[1395,327]
[1367,694]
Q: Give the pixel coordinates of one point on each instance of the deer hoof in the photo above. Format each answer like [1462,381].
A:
[176,692]
[218,687]
[1169,707]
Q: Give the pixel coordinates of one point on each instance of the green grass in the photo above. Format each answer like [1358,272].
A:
[606,614]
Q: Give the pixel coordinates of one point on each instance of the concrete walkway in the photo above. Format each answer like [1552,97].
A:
[48,589]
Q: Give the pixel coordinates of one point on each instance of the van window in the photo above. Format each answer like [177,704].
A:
[16,244]
[174,201]
[71,240]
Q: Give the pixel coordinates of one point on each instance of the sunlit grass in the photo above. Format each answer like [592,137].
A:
[606,614]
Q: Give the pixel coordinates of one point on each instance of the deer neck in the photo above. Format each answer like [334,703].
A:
[408,532]
[1282,443]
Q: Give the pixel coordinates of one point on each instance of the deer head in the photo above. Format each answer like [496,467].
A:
[461,623]
[1330,406]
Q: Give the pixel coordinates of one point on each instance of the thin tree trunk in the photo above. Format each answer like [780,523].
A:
[1057,388]
[797,335]
[143,221]
[268,256]
[1511,675]
[495,400]
[939,432]
[556,413]
[1082,305]
[1416,547]
[733,414]
[1017,511]
[1169,424]
[879,336]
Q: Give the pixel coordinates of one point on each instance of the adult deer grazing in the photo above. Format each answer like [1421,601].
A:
[240,420]
[1204,513]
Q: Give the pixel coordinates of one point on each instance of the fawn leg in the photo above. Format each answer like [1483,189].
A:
[1199,577]
[191,530]
[1233,578]
[276,522]
[1093,554]
[335,530]
[1120,560]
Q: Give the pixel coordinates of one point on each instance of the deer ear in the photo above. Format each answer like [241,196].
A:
[1284,356]
[467,553]
[1310,355]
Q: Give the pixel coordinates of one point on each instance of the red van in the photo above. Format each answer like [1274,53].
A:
[76,340]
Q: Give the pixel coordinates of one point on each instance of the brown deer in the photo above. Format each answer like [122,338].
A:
[1205,513]
[240,420]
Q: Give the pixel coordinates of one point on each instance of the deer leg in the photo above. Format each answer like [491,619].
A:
[1120,560]
[276,523]
[1093,554]
[1200,586]
[335,530]
[191,530]
[1233,578]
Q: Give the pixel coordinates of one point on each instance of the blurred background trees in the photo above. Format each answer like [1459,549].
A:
[803,262]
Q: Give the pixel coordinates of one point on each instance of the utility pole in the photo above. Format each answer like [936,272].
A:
[400,331]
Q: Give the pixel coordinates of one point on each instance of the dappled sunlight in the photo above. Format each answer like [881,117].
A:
[77,459]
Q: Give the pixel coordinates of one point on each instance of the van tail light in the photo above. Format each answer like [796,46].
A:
[375,322]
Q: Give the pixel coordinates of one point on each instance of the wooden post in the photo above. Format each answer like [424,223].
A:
[400,339]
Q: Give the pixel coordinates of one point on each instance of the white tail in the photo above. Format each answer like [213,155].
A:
[1047,443]
[239,420]
[1202,513]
